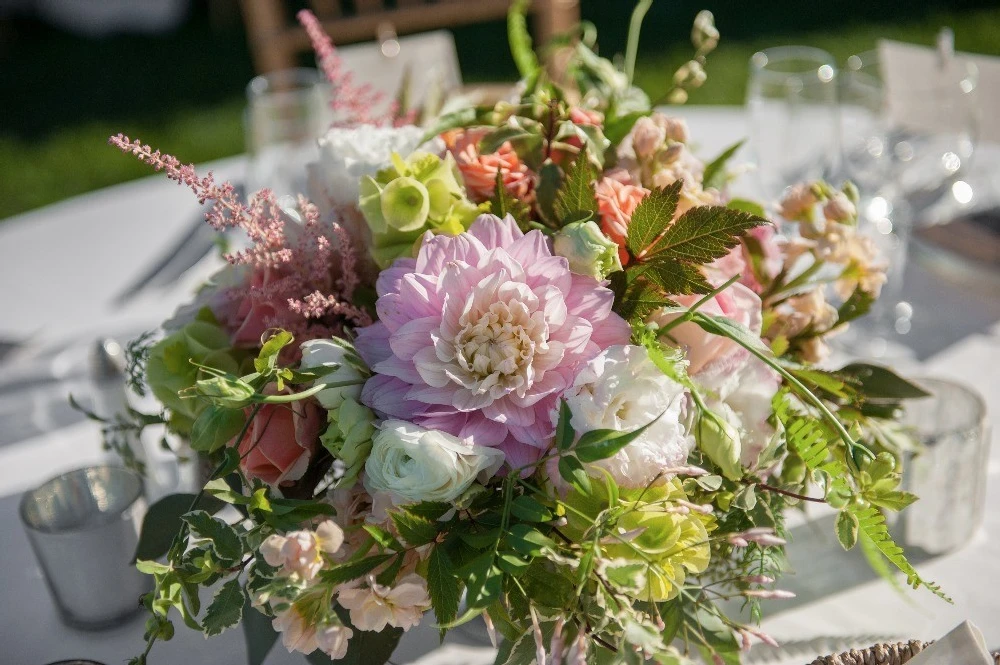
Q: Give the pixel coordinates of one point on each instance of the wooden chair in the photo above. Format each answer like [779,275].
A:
[276,39]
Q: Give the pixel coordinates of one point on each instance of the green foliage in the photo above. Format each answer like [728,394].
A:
[163,520]
[575,201]
[652,216]
[857,305]
[715,171]
[704,234]
[847,529]
[226,609]
[882,383]
[504,203]
[414,529]
[599,444]
[442,585]
[215,427]
[520,41]
[224,539]
[352,570]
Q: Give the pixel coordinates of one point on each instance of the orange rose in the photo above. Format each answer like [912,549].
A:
[480,171]
[616,201]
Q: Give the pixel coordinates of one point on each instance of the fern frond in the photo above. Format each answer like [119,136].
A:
[871,523]
[812,439]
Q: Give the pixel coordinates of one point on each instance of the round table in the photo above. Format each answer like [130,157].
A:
[66,263]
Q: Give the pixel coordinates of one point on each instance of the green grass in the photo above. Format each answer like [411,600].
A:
[183,93]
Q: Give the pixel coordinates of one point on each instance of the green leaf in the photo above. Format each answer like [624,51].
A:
[652,216]
[483,582]
[413,529]
[503,204]
[715,171]
[564,430]
[163,521]
[220,490]
[549,181]
[745,205]
[576,196]
[383,537]
[442,585]
[616,129]
[675,277]
[710,482]
[639,301]
[432,510]
[520,41]
[720,325]
[627,575]
[267,360]
[346,572]
[882,383]
[847,529]
[464,117]
[225,541]
[512,564]
[528,509]
[258,634]
[601,444]
[895,500]
[528,540]
[215,427]
[226,609]
[495,139]
[872,524]
[859,304]
[704,234]
[572,472]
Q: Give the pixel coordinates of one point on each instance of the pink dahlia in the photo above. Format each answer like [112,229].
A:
[480,334]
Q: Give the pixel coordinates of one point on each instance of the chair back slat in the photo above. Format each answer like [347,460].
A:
[364,7]
[326,9]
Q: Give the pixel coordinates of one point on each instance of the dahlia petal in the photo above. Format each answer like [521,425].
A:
[575,333]
[431,370]
[583,299]
[431,395]
[495,232]
[372,344]
[527,249]
[399,368]
[552,270]
[500,411]
[413,336]
[519,454]
[482,431]
[393,311]
[436,252]
[611,331]
[388,280]
[386,395]
[420,293]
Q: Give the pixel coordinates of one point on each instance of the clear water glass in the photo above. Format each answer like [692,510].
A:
[949,474]
[84,527]
[791,107]
[287,111]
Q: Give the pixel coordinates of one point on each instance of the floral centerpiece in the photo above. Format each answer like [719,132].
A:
[531,364]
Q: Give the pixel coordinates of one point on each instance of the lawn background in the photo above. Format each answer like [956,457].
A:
[61,95]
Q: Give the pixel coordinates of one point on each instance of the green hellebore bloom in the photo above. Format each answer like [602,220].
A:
[405,204]
[349,438]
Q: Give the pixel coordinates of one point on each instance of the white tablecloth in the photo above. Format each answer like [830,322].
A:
[65,263]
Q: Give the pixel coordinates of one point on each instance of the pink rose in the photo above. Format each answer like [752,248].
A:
[279,444]
[713,355]
[616,201]
[251,308]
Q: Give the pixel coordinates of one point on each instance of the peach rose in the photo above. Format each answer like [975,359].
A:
[616,201]
[479,171]
[713,355]
[280,442]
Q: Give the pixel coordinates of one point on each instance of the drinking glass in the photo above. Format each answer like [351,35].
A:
[949,472]
[84,527]
[792,112]
[287,111]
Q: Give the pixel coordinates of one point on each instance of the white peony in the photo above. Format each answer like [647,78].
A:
[622,389]
[410,464]
[347,154]
[318,353]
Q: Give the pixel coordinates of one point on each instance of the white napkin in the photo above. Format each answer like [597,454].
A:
[964,645]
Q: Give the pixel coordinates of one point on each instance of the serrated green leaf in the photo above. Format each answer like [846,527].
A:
[442,585]
[220,489]
[483,582]
[714,174]
[226,609]
[383,537]
[413,529]
[512,564]
[225,541]
[163,520]
[346,572]
[576,196]
[572,472]
[504,203]
[431,510]
[847,529]
[704,234]
[652,216]
[675,277]
[857,305]
[639,301]
[603,443]
[215,427]
[549,181]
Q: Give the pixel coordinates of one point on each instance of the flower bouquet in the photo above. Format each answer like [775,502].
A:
[531,364]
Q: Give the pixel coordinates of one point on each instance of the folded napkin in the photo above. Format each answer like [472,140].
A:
[964,645]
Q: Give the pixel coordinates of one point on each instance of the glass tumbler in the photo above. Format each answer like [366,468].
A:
[791,109]
[84,527]
[949,472]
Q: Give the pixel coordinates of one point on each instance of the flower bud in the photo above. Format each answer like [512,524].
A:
[704,34]
[588,250]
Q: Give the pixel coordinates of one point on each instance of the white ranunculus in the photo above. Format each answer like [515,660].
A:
[751,405]
[413,464]
[346,154]
[622,389]
[318,353]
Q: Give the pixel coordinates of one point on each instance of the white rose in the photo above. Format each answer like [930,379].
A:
[413,464]
[318,353]
[346,154]
[622,389]
[750,410]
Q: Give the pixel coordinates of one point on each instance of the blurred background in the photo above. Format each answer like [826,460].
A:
[173,72]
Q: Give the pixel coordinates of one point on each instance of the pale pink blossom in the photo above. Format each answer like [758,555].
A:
[839,208]
[772,594]
[297,634]
[301,552]
[374,606]
[647,137]
[798,201]
[333,640]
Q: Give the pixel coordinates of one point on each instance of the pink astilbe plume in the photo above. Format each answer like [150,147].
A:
[300,271]
[355,102]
